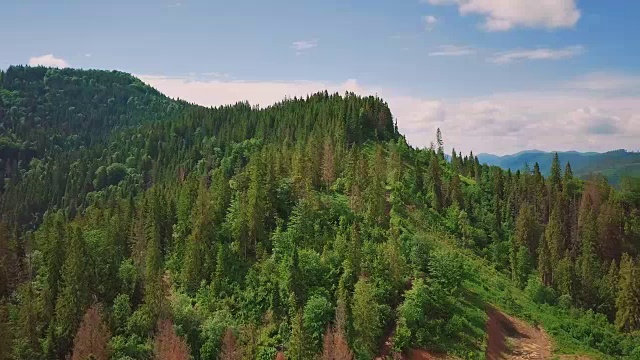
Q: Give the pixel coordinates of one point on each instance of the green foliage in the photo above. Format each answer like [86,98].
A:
[273,224]
[367,319]
[315,318]
[74,294]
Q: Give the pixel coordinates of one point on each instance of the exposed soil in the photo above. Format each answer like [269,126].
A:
[420,354]
[511,338]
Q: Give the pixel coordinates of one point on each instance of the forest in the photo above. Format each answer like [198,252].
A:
[135,226]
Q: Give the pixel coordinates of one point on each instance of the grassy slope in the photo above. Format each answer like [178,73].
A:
[571,330]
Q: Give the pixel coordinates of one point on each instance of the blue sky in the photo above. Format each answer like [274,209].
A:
[497,76]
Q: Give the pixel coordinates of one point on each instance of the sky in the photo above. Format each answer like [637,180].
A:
[496,76]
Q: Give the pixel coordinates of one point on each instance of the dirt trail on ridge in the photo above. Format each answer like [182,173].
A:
[511,339]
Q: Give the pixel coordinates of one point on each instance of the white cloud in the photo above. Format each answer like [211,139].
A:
[507,123]
[302,46]
[87,55]
[536,54]
[558,119]
[501,15]
[429,22]
[48,60]
[217,92]
[452,50]
[216,74]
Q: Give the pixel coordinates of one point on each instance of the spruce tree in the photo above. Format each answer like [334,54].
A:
[74,295]
[328,164]
[628,300]
[435,184]
[440,144]
[608,292]
[455,191]
[555,178]
[554,236]
[545,267]
[367,323]
[298,348]
[375,196]
[589,272]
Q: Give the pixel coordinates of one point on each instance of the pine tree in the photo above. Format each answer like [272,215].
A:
[545,267]
[455,166]
[538,192]
[440,144]
[527,230]
[395,163]
[610,225]
[554,236]
[555,178]
[154,294]
[51,239]
[199,248]
[367,324]
[628,301]
[74,294]
[589,272]
[564,276]
[521,263]
[609,292]
[220,195]
[375,196]
[435,184]
[567,180]
[328,164]
[298,342]
[455,191]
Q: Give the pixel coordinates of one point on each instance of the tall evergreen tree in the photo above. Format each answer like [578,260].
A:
[74,295]
[555,178]
[435,184]
[628,300]
[367,322]
[440,144]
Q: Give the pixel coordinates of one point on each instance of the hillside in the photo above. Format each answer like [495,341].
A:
[307,229]
[613,164]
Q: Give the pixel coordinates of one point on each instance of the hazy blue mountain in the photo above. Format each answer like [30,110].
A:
[612,164]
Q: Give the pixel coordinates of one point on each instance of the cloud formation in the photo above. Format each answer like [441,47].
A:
[48,60]
[217,92]
[502,15]
[536,54]
[452,50]
[558,119]
[429,22]
[303,45]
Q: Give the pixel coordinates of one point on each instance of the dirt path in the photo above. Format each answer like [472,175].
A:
[511,338]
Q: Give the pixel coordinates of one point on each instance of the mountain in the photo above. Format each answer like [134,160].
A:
[613,164]
[135,226]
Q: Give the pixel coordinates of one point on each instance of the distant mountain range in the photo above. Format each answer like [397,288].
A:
[613,164]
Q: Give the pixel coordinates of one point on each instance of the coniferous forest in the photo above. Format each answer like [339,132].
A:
[135,226]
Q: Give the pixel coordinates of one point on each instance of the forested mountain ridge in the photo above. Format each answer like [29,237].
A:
[44,108]
[307,229]
[86,129]
[614,164]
